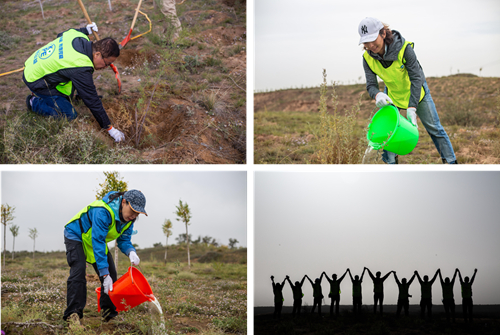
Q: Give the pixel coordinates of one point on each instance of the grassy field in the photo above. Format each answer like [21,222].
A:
[288,123]
[208,298]
[182,101]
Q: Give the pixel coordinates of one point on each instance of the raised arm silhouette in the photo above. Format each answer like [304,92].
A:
[357,299]
[317,293]
[334,294]
[278,297]
[467,295]
[378,289]
[426,294]
[404,288]
[448,299]
[297,295]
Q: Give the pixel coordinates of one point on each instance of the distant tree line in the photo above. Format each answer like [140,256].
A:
[201,240]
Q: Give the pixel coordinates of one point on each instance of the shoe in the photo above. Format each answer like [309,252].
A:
[73,319]
[28,105]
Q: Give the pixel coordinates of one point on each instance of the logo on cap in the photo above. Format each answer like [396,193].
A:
[364,30]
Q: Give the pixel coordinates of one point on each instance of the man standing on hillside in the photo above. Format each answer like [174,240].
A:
[467,295]
[66,64]
[168,9]
[86,236]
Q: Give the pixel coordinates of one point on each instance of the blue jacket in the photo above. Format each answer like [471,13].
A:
[101,220]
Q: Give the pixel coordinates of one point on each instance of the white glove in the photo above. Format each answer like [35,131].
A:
[134,259]
[411,115]
[382,99]
[116,134]
[108,284]
[90,27]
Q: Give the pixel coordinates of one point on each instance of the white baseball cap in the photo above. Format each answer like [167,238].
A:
[369,29]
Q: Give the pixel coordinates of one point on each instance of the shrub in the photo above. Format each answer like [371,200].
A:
[31,139]
[337,143]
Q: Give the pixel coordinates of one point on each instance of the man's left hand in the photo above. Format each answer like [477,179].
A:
[90,27]
[411,115]
[134,259]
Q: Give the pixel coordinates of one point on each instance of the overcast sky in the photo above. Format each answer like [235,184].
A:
[307,223]
[48,200]
[295,39]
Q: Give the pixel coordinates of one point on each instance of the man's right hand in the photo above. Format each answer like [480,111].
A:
[382,99]
[108,284]
[117,135]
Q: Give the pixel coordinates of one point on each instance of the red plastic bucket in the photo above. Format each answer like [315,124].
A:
[130,290]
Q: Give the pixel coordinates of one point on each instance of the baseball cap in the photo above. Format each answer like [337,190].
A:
[369,29]
[137,201]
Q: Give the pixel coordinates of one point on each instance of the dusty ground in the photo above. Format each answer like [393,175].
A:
[468,107]
[173,125]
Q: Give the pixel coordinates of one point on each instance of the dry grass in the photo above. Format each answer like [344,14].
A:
[168,125]
[468,107]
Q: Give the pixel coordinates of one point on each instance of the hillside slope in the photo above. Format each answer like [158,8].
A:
[182,101]
[468,106]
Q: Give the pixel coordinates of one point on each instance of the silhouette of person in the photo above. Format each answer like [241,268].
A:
[317,293]
[378,289]
[426,294]
[335,291]
[297,295]
[278,297]
[357,299]
[467,295]
[404,287]
[448,299]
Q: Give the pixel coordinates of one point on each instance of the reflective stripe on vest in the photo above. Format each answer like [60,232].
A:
[54,56]
[466,290]
[112,235]
[395,77]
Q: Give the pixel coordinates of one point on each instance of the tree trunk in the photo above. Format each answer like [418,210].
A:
[4,243]
[187,239]
[166,245]
[33,251]
[13,245]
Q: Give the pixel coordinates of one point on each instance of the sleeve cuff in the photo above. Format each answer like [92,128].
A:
[103,272]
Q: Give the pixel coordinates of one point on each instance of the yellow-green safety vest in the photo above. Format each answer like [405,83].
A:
[447,291]
[112,235]
[426,290]
[54,56]
[467,290]
[356,289]
[395,77]
[334,286]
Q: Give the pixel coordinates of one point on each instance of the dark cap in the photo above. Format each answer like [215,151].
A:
[137,201]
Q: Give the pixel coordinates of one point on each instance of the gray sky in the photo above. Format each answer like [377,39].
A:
[307,223]
[48,200]
[295,40]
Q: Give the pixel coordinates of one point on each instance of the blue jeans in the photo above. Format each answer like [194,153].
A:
[55,106]
[426,111]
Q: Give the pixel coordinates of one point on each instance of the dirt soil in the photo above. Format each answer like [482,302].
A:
[464,96]
[174,125]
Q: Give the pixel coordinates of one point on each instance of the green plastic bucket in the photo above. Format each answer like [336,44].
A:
[390,131]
